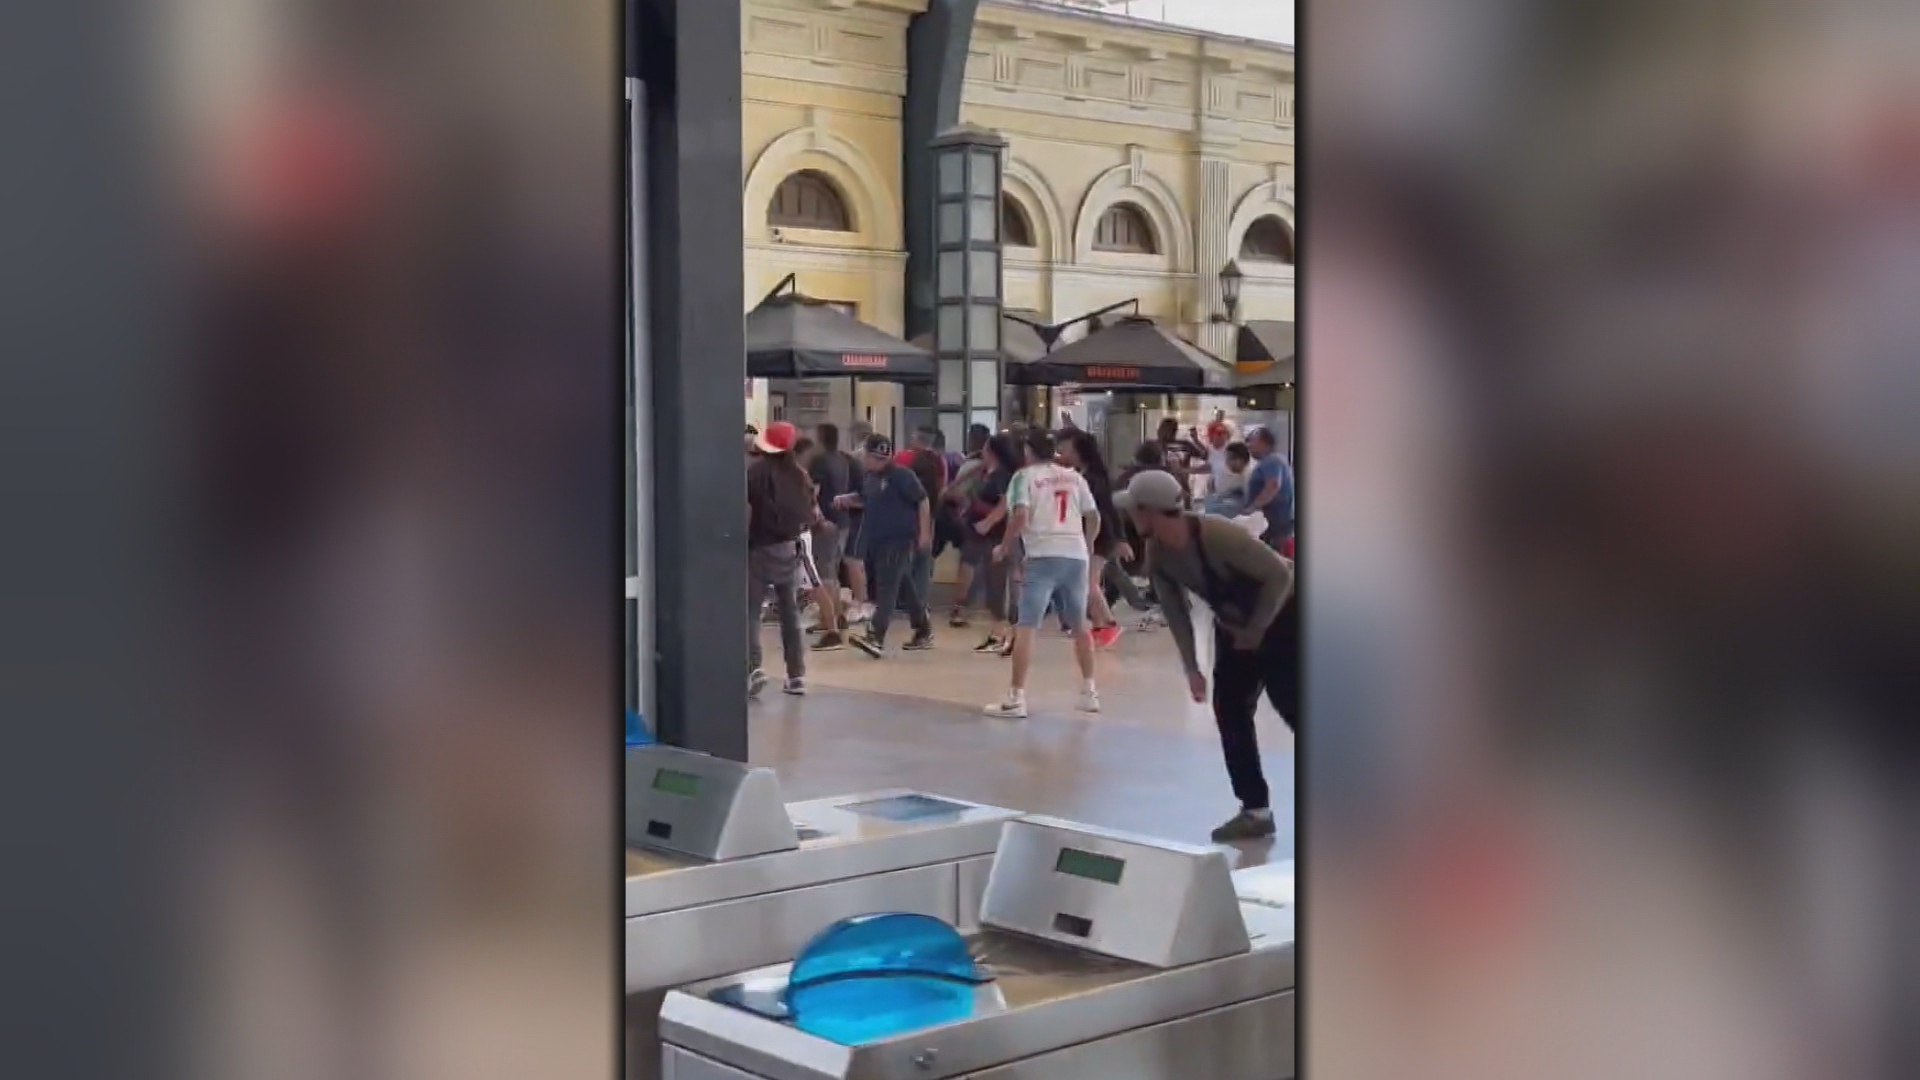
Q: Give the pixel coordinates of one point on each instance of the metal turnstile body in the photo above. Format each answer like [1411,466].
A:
[721,876]
[1111,955]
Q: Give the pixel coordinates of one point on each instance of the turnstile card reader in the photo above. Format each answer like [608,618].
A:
[703,807]
[1106,955]
[1152,903]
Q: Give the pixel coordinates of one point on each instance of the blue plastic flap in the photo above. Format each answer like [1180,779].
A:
[872,976]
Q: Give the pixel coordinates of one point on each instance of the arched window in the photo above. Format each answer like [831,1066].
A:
[1016,228]
[1126,228]
[1268,240]
[808,200]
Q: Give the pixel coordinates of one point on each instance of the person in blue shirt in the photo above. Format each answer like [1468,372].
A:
[898,536]
[1270,487]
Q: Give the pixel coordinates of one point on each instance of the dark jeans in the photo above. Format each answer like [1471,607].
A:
[899,574]
[775,567]
[990,584]
[948,531]
[1238,679]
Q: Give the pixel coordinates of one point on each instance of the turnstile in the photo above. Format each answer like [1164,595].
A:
[1104,955]
[722,876]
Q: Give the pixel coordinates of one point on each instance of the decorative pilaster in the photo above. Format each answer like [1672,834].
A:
[1213,249]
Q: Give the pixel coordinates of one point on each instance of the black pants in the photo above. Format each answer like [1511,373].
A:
[1238,679]
[891,571]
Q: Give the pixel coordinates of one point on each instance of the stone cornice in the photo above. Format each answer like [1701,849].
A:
[846,74]
[902,7]
[1109,28]
[822,256]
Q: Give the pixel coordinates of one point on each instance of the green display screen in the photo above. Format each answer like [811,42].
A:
[676,783]
[1088,865]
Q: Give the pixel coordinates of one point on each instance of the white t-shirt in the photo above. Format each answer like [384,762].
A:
[1225,480]
[1057,500]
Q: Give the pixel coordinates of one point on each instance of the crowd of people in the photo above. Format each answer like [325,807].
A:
[1043,529]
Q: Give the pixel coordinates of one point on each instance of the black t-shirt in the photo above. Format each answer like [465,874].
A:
[832,473]
[1101,485]
[991,493]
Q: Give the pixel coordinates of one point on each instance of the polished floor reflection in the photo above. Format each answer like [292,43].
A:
[1149,762]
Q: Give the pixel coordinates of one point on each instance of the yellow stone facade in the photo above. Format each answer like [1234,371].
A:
[1193,128]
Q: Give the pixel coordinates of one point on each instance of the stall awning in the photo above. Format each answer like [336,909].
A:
[1264,354]
[1134,353]
[798,337]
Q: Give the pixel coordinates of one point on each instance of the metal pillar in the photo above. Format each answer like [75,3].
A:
[937,42]
[967,281]
[687,53]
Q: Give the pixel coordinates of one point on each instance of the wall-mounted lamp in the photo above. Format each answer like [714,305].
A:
[1230,281]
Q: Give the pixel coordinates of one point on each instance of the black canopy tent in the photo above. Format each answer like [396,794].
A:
[1133,354]
[791,336]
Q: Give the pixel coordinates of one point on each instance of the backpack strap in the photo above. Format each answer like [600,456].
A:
[1216,582]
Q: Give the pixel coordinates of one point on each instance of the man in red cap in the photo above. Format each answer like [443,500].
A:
[780,508]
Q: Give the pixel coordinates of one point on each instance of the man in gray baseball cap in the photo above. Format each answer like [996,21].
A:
[1256,648]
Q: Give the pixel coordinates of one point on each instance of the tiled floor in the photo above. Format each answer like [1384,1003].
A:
[1148,763]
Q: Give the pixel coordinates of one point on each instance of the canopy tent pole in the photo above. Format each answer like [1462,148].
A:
[1050,335]
[790,283]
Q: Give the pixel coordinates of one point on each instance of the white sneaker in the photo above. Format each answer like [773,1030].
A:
[1090,701]
[1011,707]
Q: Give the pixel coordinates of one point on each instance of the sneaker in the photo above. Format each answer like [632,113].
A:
[1011,707]
[1245,825]
[833,642]
[1105,636]
[958,619]
[756,682]
[920,642]
[993,644]
[870,645]
[1089,701]
[795,685]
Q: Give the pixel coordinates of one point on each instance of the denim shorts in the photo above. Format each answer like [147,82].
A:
[1051,579]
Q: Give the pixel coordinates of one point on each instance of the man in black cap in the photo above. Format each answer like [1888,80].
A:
[1256,645]
[896,530]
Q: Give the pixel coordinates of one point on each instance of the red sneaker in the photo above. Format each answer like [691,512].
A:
[1105,636]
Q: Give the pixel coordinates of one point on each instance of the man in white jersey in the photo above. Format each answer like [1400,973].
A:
[1054,519]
